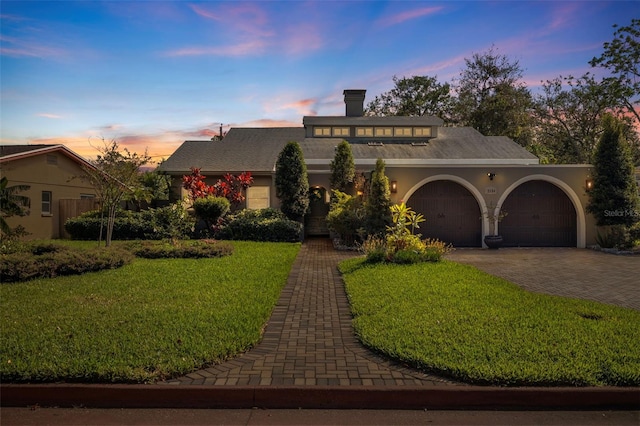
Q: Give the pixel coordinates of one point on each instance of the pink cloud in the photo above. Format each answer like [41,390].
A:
[408,15]
[267,122]
[242,49]
[47,115]
[15,47]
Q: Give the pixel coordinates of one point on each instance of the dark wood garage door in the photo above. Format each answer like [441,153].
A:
[451,212]
[539,215]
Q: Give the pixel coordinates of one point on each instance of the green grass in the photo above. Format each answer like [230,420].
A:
[457,321]
[147,321]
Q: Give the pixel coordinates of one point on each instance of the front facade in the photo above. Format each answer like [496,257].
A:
[453,176]
[53,173]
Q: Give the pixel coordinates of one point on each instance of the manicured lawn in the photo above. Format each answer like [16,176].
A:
[147,321]
[458,321]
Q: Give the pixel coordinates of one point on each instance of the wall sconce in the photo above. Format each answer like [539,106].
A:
[394,186]
[588,184]
[491,175]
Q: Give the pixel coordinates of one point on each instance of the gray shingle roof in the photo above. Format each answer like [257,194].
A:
[257,149]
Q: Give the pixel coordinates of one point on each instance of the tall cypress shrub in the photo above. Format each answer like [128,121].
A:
[378,205]
[614,197]
[343,168]
[292,182]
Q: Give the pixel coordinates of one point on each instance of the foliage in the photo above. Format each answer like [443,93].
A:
[167,222]
[492,98]
[115,175]
[231,186]
[211,210]
[454,320]
[156,185]
[46,260]
[378,205]
[568,114]
[260,225]
[346,215]
[292,182]
[401,244]
[614,197]
[11,203]
[493,217]
[148,321]
[414,96]
[621,57]
[198,249]
[343,169]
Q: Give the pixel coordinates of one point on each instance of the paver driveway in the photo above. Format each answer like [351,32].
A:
[569,272]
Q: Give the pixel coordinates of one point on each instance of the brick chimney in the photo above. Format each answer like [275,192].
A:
[354,102]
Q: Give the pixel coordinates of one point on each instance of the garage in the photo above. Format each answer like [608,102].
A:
[452,213]
[539,214]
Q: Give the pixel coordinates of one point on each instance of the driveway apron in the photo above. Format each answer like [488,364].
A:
[309,339]
[569,272]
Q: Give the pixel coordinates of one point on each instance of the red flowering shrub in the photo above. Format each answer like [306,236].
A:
[230,186]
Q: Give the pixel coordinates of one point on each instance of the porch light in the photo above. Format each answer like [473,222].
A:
[588,184]
[394,186]
[491,175]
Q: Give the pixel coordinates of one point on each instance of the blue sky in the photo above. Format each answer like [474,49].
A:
[152,74]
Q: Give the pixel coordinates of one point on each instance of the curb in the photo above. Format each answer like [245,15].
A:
[318,397]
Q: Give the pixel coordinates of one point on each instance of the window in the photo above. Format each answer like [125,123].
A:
[384,131]
[322,131]
[364,131]
[402,131]
[87,196]
[258,197]
[341,131]
[46,202]
[422,131]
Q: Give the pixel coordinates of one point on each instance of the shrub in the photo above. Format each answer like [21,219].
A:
[260,225]
[375,249]
[434,249]
[346,216]
[50,260]
[211,208]
[166,222]
[194,249]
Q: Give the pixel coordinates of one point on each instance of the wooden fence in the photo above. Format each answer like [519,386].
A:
[72,208]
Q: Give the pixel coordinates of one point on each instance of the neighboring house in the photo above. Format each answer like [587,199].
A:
[53,173]
[449,174]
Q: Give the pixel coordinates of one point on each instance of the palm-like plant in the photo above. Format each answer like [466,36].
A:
[11,203]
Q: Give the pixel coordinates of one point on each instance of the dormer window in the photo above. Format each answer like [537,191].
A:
[341,131]
[402,131]
[322,131]
[384,131]
[422,131]
[364,131]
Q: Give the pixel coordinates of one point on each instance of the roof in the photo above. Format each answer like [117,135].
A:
[257,149]
[16,152]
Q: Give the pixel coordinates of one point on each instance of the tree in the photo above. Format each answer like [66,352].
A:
[614,197]
[115,175]
[11,203]
[569,115]
[292,182]
[231,186]
[343,169]
[378,204]
[621,57]
[492,99]
[414,96]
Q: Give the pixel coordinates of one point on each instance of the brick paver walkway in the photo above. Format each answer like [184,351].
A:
[569,272]
[309,339]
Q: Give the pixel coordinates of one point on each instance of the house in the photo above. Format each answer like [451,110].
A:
[53,173]
[452,175]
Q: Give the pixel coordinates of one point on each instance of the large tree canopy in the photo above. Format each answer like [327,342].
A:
[621,57]
[414,96]
[492,98]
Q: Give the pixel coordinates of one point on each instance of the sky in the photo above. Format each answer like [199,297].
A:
[152,74]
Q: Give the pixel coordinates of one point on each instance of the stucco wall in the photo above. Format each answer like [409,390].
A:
[62,179]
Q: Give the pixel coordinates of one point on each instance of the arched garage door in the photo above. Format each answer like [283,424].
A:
[451,212]
[539,214]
